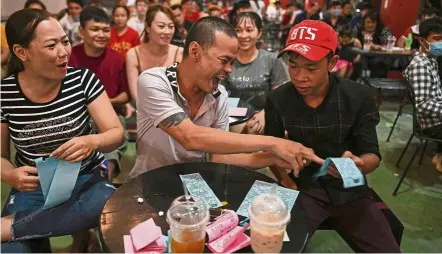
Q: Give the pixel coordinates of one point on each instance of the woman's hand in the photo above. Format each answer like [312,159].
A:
[77,148]
[24,179]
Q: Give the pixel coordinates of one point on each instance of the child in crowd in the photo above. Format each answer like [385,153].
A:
[347,57]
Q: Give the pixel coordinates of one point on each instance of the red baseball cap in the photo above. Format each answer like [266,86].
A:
[313,39]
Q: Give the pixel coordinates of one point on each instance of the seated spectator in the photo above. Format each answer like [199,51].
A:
[71,21]
[423,75]
[255,72]
[373,26]
[312,12]
[109,67]
[182,113]
[239,7]
[200,9]
[428,13]
[274,12]
[190,9]
[156,49]
[35,4]
[259,7]
[215,11]
[337,118]
[363,8]
[182,26]
[347,11]
[5,53]
[335,18]
[137,22]
[52,118]
[288,18]
[347,57]
[122,37]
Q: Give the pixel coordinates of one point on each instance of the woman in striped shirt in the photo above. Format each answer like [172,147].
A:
[46,110]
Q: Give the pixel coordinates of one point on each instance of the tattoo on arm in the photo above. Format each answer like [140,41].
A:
[174,120]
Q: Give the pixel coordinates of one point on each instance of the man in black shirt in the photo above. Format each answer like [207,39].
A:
[336,118]
[182,26]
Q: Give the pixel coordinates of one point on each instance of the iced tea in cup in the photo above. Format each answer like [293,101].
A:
[187,217]
[269,217]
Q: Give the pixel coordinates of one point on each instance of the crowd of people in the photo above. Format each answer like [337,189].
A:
[72,79]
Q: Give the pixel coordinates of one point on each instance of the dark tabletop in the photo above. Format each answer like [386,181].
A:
[160,186]
[239,120]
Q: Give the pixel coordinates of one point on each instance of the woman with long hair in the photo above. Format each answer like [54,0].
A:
[46,111]
[156,50]
[255,72]
[372,26]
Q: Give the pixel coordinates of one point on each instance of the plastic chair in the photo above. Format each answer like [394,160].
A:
[417,132]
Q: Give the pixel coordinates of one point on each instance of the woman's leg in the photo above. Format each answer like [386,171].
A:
[21,201]
[80,212]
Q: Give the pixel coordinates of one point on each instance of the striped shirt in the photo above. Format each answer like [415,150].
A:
[37,129]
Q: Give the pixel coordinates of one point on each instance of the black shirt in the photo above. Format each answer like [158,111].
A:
[341,21]
[303,16]
[345,120]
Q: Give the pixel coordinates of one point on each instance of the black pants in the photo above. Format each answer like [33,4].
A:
[436,133]
[361,222]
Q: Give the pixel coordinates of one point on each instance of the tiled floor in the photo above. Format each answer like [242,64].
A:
[418,205]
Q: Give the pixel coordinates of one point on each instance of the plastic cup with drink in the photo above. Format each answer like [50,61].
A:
[368,40]
[391,43]
[269,217]
[187,217]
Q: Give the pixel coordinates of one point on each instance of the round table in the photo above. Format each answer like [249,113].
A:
[160,186]
[239,120]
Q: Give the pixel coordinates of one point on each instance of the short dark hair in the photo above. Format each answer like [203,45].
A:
[346,30]
[364,6]
[176,6]
[297,5]
[313,4]
[93,13]
[429,26]
[252,16]
[204,30]
[30,2]
[431,11]
[121,6]
[344,3]
[79,2]
[335,3]
[243,5]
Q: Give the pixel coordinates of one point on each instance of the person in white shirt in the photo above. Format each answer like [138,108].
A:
[138,21]
[71,21]
[259,7]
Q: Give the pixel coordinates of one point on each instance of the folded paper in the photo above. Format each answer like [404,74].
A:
[144,234]
[156,246]
[237,111]
[57,179]
[350,174]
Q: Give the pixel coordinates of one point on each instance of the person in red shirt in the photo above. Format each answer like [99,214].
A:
[107,64]
[190,10]
[122,37]
[428,13]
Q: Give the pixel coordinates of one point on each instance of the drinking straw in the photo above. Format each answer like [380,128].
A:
[273,192]
[168,248]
